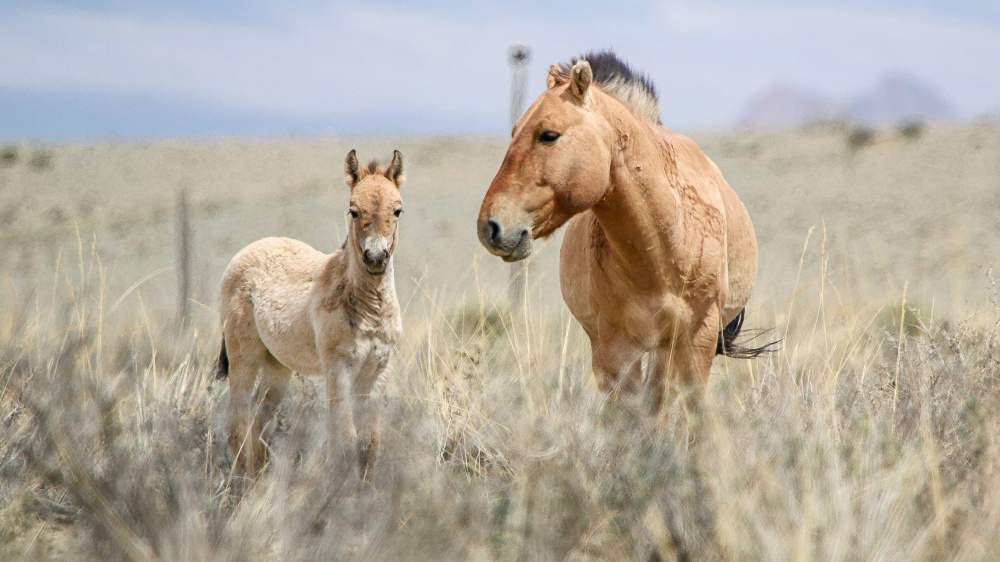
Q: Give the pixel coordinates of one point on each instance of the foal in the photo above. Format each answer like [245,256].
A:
[288,307]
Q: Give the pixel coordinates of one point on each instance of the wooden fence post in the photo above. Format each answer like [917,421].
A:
[183,257]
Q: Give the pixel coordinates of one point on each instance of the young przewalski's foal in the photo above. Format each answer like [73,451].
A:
[288,307]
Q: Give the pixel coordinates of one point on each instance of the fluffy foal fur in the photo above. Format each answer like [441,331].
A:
[288,307]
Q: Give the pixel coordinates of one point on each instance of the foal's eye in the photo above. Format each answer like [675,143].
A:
[354,213]
[398,212]
[548,136]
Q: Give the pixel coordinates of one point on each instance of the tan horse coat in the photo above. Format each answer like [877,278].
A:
[288,307]
[659,253]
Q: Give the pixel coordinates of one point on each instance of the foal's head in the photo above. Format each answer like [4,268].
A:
[559,160]
[375,209]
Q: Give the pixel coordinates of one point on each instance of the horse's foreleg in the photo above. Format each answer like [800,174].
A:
[617,362]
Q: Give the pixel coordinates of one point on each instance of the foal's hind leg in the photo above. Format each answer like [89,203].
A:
[271,386]
[257,383]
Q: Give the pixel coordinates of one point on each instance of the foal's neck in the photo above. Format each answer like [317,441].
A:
[368,283]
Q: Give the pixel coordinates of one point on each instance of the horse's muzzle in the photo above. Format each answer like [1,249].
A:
[511,244]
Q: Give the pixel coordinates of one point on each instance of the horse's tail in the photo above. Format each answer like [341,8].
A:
[222,367]
[727,341]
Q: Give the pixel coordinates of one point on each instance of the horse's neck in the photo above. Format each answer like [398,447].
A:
[639,209]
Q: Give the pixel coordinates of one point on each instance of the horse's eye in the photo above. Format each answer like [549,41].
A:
[548,136]
[354,213]
[398,212]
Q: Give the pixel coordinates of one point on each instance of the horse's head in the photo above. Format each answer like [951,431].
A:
[557,165]
[375,209]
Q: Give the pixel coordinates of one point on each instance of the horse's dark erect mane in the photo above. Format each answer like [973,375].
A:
[617,78]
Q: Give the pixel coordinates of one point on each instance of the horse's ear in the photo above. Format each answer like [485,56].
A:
[395,170]
[556,77]
[352,171]
[581,77]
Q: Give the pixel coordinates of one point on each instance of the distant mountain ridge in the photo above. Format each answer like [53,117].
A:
[893,98]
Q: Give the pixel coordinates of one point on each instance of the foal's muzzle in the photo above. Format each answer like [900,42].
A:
[511,243]
[376,261]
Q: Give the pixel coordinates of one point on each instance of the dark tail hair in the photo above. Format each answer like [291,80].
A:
[727,342]
[222,367]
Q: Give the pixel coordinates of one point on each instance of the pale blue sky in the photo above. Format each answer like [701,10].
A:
[156,68]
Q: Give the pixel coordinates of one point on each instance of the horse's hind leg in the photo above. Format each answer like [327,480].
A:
[682,366]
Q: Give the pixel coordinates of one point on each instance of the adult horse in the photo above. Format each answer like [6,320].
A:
[288,307]
[659,253]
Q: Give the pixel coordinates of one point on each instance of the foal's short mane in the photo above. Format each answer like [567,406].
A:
[617,78]
[374,167]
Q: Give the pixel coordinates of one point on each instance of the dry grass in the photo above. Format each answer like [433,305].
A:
[873,434]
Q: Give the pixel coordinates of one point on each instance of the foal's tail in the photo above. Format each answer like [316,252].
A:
[222,367]
[727,342]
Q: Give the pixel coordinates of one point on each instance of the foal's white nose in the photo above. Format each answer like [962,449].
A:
[375,254]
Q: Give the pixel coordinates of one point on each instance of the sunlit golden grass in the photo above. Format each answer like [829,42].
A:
[872,434]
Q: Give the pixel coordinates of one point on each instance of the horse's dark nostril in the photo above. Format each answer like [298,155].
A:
[493,231]
[524,233]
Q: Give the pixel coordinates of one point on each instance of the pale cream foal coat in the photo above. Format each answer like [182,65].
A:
[288,307]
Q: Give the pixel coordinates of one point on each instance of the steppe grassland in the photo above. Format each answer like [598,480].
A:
[866,437]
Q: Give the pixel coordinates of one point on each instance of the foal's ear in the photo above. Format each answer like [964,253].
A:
[352,171]
[395,170]
[556,77]
[581,77]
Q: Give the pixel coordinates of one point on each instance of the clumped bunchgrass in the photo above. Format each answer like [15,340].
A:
[860,136]
[871,435]
[8,156]
[912,129]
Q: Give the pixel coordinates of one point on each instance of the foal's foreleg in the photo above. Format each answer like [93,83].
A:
[367,410]
[340,375]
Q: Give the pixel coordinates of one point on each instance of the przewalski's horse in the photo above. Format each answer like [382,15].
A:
[659,253]
[288,307]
